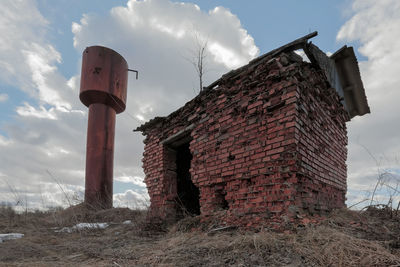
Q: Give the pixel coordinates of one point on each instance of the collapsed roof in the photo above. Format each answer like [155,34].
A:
[341,70]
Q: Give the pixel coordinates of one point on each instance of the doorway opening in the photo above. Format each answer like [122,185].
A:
[188,195]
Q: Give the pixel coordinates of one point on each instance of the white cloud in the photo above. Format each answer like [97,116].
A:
[166,79]
[41,58]
[20,32]
[132,199]
[3,97]
[225,55]
[136,180]
[374,141]
[28,60]
[3,142]
[51,120]
[28,111]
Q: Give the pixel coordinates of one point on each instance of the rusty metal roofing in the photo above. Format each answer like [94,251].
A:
[343,74]
[350,79]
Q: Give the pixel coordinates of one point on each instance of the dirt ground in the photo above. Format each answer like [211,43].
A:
[344,238]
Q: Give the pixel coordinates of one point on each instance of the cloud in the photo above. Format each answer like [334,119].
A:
[129,179]
[27,110]
[26,58]
[374,142]
[40,59]
[132,199]
[45,144]
[156,37]
[19,31]
[52,122]
[3,97]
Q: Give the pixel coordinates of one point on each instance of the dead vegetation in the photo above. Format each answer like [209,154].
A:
[344,238]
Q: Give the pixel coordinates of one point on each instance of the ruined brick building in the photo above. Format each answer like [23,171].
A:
[263,141]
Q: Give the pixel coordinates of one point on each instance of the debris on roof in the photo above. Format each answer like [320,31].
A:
[341,71]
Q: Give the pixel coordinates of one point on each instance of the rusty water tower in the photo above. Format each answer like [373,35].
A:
[103,90]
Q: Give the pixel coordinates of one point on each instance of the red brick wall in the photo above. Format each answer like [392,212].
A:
[268,143]
[322,145]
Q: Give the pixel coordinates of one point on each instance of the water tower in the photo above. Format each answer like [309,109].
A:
[103,90]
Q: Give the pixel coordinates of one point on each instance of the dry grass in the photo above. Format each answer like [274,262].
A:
[329,247]
[224,249]
[345,238]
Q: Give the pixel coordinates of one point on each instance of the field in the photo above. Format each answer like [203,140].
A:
[344,238]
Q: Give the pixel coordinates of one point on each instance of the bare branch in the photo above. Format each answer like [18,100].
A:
[198,57]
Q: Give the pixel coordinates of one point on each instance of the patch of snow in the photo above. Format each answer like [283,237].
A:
[83,226]
[91,226]
[10,236]
[64,230]
[127,222]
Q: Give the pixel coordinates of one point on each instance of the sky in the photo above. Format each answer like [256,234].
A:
[43,124]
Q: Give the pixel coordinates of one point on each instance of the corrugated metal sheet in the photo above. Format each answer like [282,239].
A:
[342,72]
[350,79]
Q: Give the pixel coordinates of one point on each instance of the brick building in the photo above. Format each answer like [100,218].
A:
[264,141]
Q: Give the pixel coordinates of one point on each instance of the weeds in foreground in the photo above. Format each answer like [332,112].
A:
[385,193]
[345,238]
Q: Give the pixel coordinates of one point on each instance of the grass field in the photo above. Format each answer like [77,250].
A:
[344,238]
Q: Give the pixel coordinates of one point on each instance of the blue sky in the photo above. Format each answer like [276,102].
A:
[43,124]
[273,23]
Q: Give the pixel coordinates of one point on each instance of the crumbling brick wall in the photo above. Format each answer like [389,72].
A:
[322,151]
[269,142]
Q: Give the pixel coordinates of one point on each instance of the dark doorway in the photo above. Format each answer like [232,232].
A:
[188,193]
